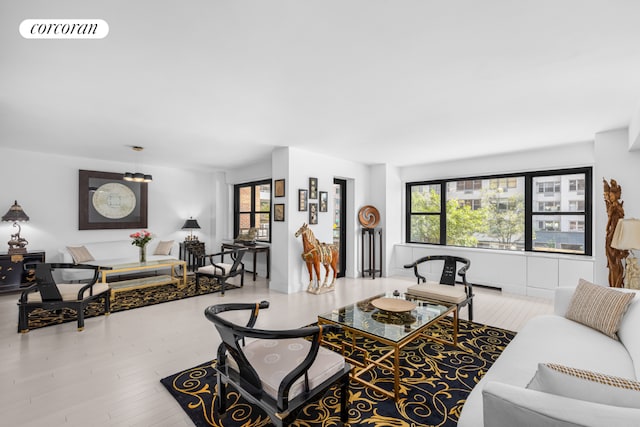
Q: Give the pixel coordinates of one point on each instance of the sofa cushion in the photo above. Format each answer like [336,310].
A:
[586,385]
[274,359]
[438,292]
[69,291]
[628,332]
[598,307]
[506,405]
[220,268]
[164,247]
[80,254]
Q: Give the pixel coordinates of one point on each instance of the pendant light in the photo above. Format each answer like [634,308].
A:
[137,176]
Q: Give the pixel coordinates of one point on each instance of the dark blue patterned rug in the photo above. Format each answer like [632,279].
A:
[436,380]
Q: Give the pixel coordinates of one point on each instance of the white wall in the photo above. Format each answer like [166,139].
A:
[46,186]
[613,160]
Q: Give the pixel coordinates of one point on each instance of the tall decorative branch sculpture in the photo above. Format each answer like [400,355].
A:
[615,211]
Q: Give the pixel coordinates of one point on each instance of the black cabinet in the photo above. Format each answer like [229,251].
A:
[12,272]
[192,252]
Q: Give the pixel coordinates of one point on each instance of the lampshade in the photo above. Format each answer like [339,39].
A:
[190,224]
[627,234]
[15,213]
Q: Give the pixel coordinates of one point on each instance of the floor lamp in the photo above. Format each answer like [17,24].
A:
[627,237]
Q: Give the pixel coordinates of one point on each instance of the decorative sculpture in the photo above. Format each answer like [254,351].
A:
[315,253]
[368,216]
[615,211]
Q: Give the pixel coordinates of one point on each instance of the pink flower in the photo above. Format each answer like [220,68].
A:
[141,238]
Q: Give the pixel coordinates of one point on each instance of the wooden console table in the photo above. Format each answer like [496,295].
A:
[253,249]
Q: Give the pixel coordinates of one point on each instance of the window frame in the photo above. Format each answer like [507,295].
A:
[255,186]
[529,213]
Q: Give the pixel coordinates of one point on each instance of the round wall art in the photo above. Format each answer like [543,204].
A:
[114,200]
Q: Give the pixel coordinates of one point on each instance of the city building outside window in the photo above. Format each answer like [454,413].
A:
[548,211]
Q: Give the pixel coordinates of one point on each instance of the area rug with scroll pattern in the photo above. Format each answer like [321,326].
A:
[436,380]
[126,300]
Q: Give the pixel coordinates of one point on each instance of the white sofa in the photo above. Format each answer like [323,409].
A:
[502,398]
[113,252]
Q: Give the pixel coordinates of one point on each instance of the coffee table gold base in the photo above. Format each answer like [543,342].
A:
[389,360]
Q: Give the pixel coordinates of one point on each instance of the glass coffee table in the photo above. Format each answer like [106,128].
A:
[394,330]
[154,279]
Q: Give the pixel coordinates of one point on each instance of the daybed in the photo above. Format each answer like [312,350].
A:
[114,252]
[508,394]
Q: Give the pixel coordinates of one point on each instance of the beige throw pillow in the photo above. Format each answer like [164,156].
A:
[586,385]
[80,254]
[598,307]
[164,248]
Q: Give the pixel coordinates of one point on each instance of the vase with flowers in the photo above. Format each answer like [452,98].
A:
[140,239]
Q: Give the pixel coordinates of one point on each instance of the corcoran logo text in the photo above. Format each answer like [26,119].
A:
[64,29]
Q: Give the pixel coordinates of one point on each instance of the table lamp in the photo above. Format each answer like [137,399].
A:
[17,244]
[627,237]
[191,224]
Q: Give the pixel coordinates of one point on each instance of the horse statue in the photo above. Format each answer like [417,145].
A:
[315,253]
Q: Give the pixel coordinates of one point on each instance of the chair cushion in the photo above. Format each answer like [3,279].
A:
[80,254]
[69,291]
[586,385]
[274,359]
[213,270]
[598,307]
[164,248]
[438,292]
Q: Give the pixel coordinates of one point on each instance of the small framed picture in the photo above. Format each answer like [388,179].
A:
[278,212]
[324,201]
[313,188]
[278,188]
[302,200]
[313,213]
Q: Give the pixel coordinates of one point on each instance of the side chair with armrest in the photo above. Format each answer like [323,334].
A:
[444,289]
[46,294]
[221,271]
[279,371]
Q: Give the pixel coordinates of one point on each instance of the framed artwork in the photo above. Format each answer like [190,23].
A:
[106,201]
[302,200]
[313,213]
[278,190]
[324,201]
[278,212]
[313,188]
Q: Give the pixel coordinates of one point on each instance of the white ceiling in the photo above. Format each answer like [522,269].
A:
[218,84]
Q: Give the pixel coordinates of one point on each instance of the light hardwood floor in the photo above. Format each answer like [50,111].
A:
[109,374]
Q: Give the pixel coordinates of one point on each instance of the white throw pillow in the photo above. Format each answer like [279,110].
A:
[164,248]
[80,254]
[598,307]
[586,385]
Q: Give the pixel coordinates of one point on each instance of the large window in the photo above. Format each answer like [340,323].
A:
[252,209]
[546,211]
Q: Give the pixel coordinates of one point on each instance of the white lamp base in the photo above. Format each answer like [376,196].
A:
[632,273]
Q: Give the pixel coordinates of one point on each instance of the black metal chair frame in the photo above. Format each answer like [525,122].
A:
[245,380]
[448,276]
[237,268]
[51,297]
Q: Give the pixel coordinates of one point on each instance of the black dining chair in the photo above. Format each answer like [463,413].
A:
[277,370]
